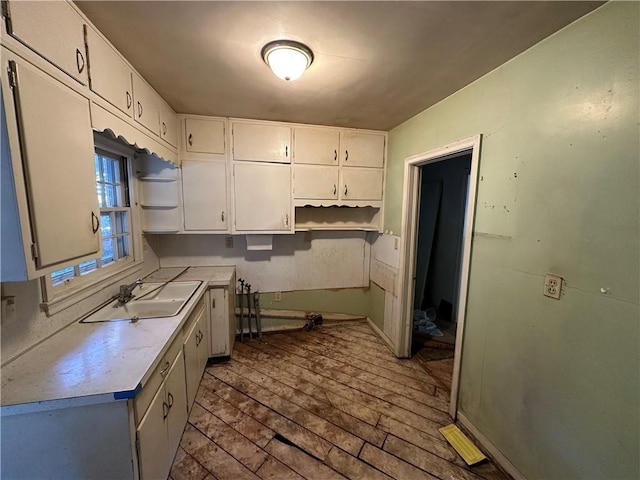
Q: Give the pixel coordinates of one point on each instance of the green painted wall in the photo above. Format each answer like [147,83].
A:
[376,310]
[553,384]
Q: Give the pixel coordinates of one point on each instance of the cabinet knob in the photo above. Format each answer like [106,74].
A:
[164,371]
[79,60]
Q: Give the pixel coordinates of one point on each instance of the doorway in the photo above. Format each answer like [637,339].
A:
[438,214]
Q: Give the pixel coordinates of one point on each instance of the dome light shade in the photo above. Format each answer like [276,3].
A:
[287,59]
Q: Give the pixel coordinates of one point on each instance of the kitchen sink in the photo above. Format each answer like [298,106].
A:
[150,300]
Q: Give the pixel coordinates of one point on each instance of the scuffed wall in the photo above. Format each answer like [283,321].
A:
[554,385]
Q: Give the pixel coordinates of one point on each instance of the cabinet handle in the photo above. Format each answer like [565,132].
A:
[190,140]
[139,110]
[346,155]
[164,128]
[128,100]
[79,60]
[170,398]
[165,410]
[164,371]
[95,223]
[286,220]
[286,151]
[345,190]
[222,216]
[335,188]
[335,155]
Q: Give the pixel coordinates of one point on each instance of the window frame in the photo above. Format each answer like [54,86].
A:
[58,297]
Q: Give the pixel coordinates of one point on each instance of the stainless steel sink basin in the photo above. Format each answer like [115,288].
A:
[166,301]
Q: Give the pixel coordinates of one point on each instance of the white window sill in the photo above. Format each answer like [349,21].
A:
[70,298]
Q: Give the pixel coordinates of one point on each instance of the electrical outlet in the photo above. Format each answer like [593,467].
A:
[277,296]
[228,242]
[552,286]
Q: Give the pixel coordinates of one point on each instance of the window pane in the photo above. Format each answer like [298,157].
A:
[109,170]
[96,159]
[107,251]
[123,246]
[60,276]
[122,223]
[111,195]
[88,267]
[105,225]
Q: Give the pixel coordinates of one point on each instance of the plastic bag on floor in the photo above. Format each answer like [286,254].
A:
[424,322]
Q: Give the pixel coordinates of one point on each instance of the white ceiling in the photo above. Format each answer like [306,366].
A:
[376,64]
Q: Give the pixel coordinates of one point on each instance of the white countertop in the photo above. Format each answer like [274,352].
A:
[98,362]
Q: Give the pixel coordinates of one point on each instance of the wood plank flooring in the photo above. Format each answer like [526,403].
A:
[333,403]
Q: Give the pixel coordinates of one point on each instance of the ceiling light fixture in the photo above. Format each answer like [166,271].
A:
[287,59]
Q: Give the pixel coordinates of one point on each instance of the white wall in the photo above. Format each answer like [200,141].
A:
[303,261]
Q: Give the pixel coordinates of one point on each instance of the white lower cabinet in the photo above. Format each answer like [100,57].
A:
[159,432]
[196,351]
[223,320]
[262,195]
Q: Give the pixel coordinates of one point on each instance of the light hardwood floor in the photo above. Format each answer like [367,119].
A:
[332,403]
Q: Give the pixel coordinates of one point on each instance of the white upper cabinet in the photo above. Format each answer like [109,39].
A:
[146,105]
[52,29]
[52,154]
[204,135]
[262,195]
[361,184]
[109,74]
[317,146]
[362,149]
[261,142]
[316,182]
[204,195]
[168,124]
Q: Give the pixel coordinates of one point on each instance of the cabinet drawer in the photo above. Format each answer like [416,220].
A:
[143,399]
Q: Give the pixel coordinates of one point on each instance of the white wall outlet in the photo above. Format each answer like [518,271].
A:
[228,242]
[277,296]
[552,286]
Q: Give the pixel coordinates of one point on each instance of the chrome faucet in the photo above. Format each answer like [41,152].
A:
[126,292]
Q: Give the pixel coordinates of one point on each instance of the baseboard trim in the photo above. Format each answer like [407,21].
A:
[490,448]
[381,334]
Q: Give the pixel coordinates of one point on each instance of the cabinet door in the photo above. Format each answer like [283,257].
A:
[57,153]
[204,195]
[219,323]
[315,182]
[109,75]
[176,393]
[317,146]
[261,142]
[168,124]
[54,30]
[360,149]
[191,364]
[146,105]
[153,446]
[204,136]
[262,194]
[361,184]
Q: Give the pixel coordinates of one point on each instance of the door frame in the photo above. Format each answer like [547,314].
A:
[408,250]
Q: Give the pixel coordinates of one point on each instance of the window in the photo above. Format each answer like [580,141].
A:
[112,187]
